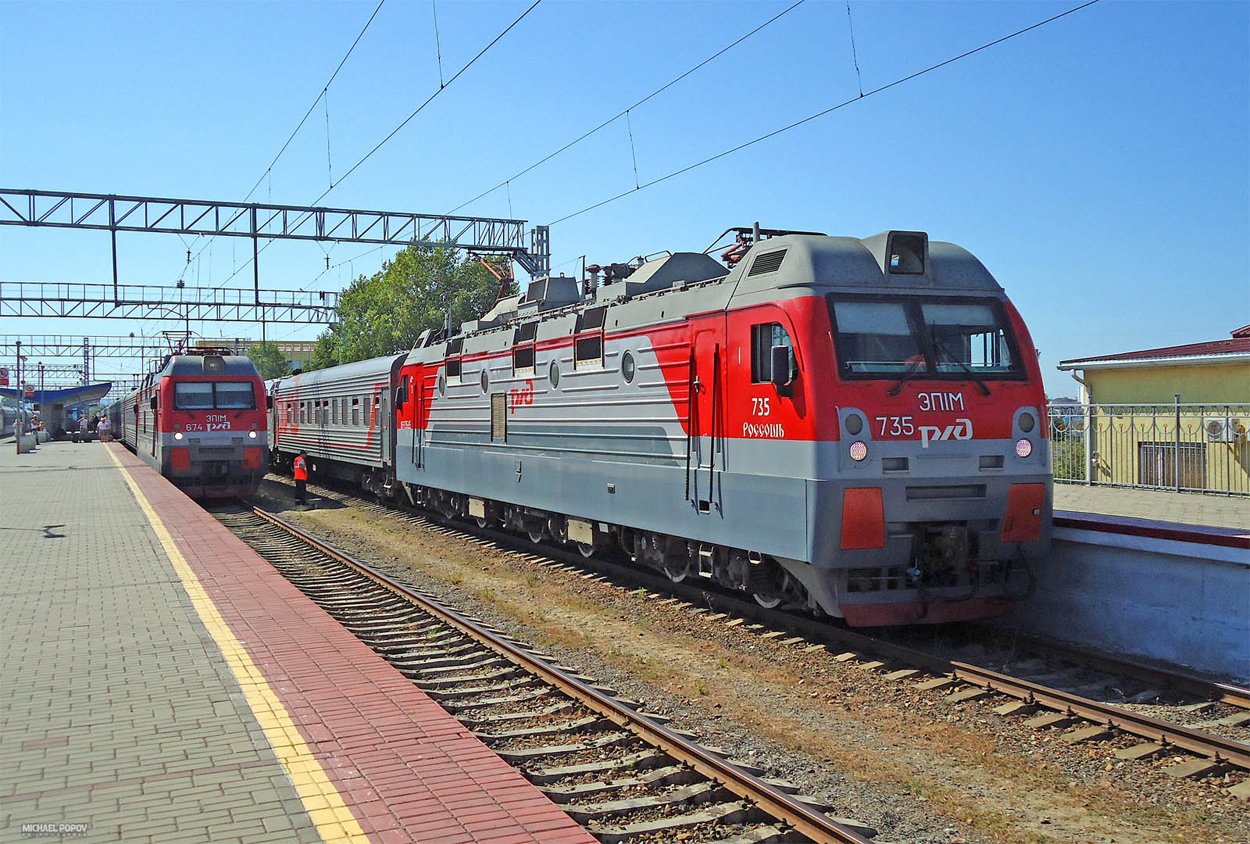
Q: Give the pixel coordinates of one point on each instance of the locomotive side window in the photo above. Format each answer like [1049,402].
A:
[588,343]
[763,337]
[967,336]
[523,349]
[454,348]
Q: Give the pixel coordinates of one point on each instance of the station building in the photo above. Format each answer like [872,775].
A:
[1174,417]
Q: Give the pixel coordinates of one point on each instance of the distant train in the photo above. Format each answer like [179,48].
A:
[856,427]
[199,421]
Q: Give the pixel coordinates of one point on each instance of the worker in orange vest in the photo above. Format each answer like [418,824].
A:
[301,478]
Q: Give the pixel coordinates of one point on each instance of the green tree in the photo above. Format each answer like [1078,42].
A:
[386,312]
[269,360]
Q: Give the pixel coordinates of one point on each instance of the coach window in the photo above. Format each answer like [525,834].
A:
[588,342]
[454,347]
[356,411]
[763,338]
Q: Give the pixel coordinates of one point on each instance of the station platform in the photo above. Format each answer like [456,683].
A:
[1183,508]
[163,683]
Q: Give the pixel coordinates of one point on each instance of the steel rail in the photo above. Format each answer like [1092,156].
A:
[1194,741]
[771,801]
[1152,729]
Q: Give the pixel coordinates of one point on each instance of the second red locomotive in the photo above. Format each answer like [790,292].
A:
[200,421]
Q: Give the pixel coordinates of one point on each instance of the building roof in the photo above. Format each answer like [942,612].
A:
[1233,350]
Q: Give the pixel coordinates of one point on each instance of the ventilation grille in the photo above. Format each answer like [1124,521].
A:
[769,262]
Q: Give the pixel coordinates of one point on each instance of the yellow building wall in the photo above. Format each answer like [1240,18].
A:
[1200,384]
[1138,445]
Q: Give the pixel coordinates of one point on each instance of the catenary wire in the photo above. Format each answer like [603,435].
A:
[627,109]
[825,112]
[402,124]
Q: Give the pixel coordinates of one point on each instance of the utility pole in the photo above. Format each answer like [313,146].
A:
[21,401]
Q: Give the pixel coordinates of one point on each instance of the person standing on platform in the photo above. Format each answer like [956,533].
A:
[301,478]
[103,429]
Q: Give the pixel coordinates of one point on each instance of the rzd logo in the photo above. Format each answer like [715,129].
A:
[961,430]
[525,395]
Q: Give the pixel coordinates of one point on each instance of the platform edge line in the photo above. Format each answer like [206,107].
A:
[303,769]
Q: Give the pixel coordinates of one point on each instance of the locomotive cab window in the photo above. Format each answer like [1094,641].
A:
[763,337]
[221,395]
[914,337]
[193,395]
[967,336]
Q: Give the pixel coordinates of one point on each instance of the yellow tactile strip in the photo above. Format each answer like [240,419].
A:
[323,802]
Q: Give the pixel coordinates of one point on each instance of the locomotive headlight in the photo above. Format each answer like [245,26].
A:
[859,450]
[854,424]
[177,435]
[1026,422]
[1023,448]
[251,435]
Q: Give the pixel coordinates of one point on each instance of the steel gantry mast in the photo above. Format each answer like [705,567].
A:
[257,221]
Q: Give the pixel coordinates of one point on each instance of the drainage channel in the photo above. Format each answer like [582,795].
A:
[619,772]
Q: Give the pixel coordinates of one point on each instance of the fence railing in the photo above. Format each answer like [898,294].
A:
[1180,447]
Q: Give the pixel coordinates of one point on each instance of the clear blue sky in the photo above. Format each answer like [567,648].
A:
[1098,166]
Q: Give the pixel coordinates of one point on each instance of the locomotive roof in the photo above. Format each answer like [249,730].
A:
[859,265]
[195,365]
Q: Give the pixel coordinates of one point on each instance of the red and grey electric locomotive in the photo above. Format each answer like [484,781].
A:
[200,421]
[852,426]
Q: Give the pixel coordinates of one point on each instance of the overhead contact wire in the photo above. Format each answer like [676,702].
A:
[402,124]
[827,111]
[626,111]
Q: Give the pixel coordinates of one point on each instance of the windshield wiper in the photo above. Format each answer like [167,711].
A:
[908,374]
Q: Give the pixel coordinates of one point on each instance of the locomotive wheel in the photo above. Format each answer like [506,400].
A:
[481,522]
[587,551]
[768,602]
[536,535]
[676,572]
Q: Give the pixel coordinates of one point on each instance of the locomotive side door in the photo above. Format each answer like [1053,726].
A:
[706,457]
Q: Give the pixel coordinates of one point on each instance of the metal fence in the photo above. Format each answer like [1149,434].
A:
[1180,447]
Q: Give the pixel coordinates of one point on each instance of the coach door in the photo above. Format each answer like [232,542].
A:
[705,457]
[384,426]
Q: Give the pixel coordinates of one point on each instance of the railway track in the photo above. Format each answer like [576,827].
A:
[616,770]
[1215,715]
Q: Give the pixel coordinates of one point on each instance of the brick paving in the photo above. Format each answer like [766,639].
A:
[98,729]
[118,711]
[1186,508]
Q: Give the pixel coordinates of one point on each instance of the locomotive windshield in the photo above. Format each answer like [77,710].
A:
[209,395]
[919,337]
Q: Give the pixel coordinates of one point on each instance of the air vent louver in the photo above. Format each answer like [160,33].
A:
[769,262]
